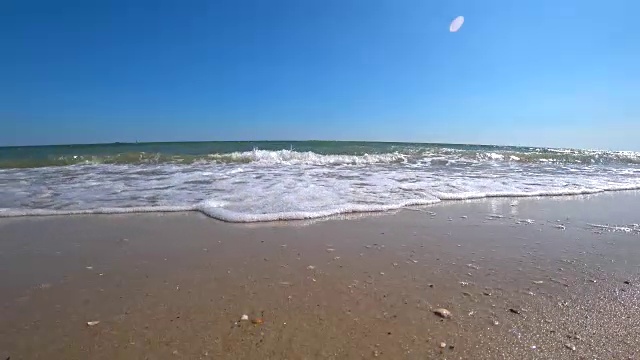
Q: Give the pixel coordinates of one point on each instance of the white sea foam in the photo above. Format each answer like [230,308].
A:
[629,229]
[281,185]
[290,157]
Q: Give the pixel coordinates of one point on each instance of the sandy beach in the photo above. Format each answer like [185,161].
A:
[522,278]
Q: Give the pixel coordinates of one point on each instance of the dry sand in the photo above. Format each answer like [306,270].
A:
[175,286]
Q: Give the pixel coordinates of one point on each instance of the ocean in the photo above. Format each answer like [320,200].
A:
[269,181]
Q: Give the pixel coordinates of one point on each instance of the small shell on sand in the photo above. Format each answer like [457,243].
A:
[443,313]
[93,323]
[443,344]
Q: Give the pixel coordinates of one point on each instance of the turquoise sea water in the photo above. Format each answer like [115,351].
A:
[262,181]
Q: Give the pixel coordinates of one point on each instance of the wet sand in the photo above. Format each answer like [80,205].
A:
[523,279]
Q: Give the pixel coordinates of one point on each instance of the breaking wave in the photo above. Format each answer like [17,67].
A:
[293,157]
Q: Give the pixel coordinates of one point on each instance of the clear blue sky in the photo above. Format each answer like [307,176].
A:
[545,72]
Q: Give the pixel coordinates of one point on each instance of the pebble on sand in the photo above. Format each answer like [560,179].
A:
[244,317]
[570,347]
[443,313]
[443,345]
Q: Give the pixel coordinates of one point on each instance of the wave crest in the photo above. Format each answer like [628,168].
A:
[426,156]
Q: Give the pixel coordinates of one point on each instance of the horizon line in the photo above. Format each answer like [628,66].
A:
[294,141]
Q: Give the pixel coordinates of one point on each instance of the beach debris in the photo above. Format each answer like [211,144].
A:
[466,293]
[93,323]
[627,282]
[443,344]
[376,353]
[473,266]
[443,313]
[395,264]
[486,293]
[561,227]
[331,250]
[463,217]
[464,283]
[494,216]
[89,267]
[570,346]
[244,317]
[336,258]
[381,273]
[538,282]
[496,323]
[311,267]
[257,321]
[515,311]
